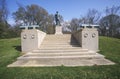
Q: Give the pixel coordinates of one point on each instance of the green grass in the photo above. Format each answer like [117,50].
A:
[10,50]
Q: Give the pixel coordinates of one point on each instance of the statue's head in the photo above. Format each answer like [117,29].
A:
[57,12]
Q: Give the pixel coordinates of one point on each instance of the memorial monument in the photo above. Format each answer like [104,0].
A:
[58,28]
[55,50]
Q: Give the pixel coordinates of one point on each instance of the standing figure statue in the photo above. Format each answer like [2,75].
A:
[57,19]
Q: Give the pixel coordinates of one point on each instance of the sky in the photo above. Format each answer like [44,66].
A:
[67,8]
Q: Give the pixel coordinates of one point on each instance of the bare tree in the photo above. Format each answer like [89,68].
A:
[3,11]
[112,10]
[74,24]
[4,26]
[92,17]
[110,23]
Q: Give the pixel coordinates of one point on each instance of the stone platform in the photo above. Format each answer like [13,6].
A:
[58,50]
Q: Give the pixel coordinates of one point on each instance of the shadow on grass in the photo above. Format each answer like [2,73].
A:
[18,48]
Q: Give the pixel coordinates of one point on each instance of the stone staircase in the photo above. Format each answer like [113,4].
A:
[57,50]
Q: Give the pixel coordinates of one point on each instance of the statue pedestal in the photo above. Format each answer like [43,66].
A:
[58,30]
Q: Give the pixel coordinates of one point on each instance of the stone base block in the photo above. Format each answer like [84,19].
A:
[58,30]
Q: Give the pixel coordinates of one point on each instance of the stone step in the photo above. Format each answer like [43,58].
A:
[64,35]
[61,45]
[58,50]
[68,43]
[60,38]
[62,48]
[60,54]
[42,57]
[64,42]
[60,62]
[53,43]
[57,38]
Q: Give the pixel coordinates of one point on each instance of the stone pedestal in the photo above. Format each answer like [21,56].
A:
[88,38]
[31,39]
[58,30]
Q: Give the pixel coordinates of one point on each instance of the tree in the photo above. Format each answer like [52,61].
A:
[4,26]
[74,24]
[3,11]
[20,15]
[50,24]
[112,10]
[110,24]
[33,15]
[14,31]
[92,17]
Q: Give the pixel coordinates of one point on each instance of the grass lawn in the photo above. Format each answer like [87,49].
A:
[10,50]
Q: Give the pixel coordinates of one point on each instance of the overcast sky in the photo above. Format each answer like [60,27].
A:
[67,8]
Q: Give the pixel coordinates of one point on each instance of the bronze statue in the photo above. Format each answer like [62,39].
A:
[57,19]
